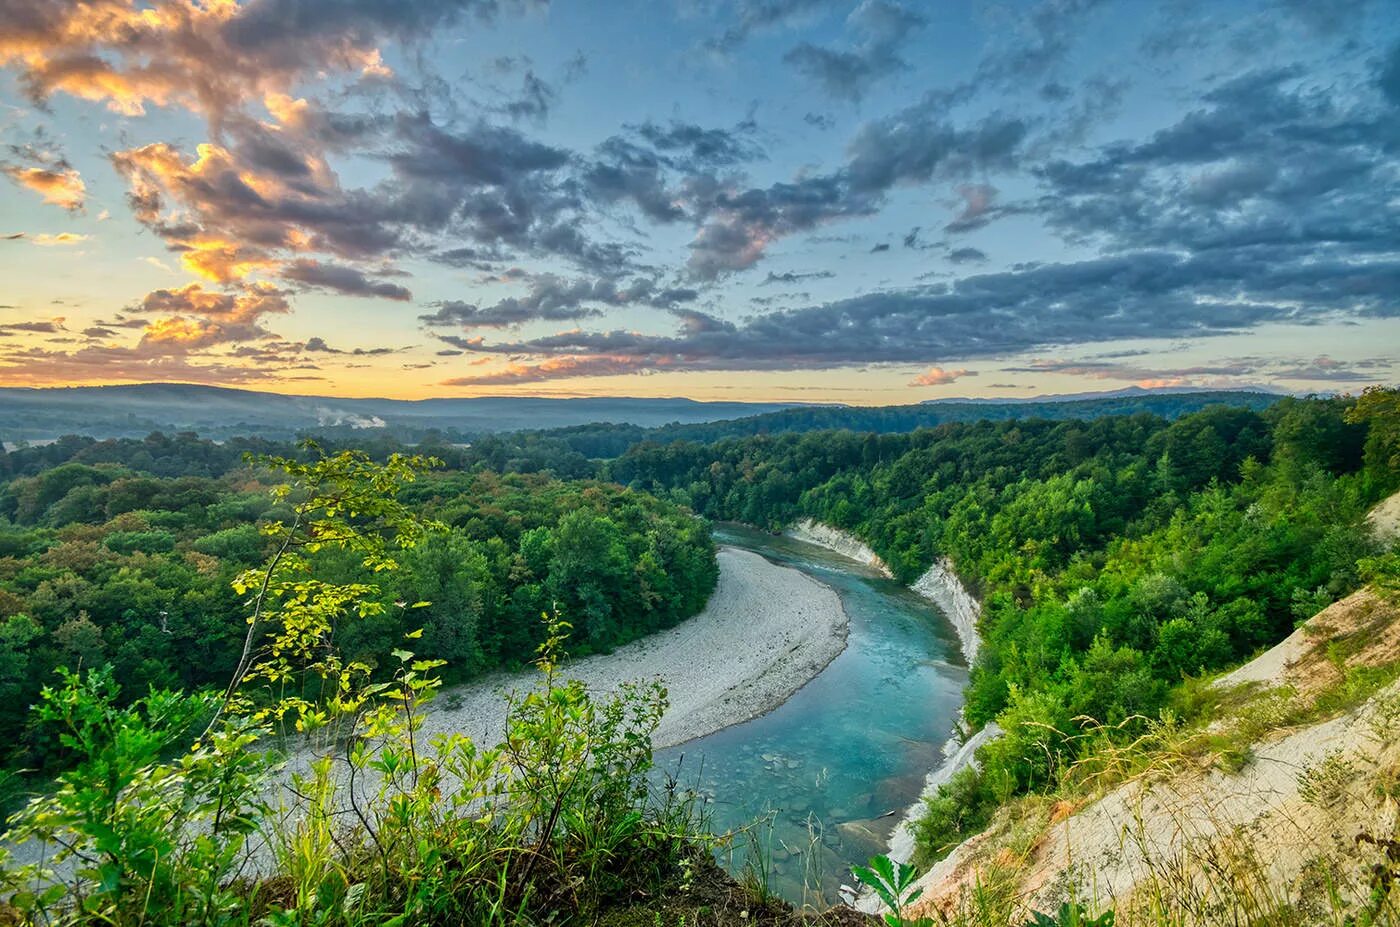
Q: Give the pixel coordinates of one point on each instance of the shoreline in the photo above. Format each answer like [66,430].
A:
[833,539]
[940,585]
[766,632]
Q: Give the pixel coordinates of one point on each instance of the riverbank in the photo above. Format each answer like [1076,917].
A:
[841,542]
[940,585]
[766,631]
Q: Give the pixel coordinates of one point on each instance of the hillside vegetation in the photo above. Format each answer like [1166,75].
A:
[1267,796]
[1115,558]
[1120,561]
[103,562]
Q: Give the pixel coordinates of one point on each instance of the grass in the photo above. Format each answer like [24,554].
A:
[1195,863]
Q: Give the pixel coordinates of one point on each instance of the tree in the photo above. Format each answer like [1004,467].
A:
[1379,409]
[587,572]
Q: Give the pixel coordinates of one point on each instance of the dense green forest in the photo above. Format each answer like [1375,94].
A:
[1115,557]
[125,552]
[601,441]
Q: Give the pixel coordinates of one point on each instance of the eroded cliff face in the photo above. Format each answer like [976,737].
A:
[939,583]
[1275,802]
[941,586]
[834,539]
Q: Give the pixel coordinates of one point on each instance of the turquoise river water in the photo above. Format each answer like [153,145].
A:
[827,775]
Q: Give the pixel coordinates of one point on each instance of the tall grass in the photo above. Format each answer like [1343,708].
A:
[1326,853]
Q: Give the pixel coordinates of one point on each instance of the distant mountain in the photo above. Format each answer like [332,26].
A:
[598,427]
[1127,392]
[215,412]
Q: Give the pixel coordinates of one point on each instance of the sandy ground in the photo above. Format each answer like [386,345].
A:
[1385,520]
[766,631]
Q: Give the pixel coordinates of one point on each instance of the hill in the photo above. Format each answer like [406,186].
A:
[607,441]
[217,412]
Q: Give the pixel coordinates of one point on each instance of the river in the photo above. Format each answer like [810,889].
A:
[823,779]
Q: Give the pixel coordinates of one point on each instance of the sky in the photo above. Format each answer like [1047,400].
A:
[872,202]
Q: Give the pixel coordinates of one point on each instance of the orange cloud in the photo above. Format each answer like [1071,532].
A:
[208,208]
[208,56]
[937,376]
[110,364]
[556,368]
[181,334]
[59,187]
[243,307]
[62,238]
[222,262]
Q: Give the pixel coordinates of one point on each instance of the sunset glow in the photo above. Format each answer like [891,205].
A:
[872,202]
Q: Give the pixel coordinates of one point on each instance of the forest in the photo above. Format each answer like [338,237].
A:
[124,554]
[1115,558]
[1118,558]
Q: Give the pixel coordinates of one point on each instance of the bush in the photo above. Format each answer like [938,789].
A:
[960,808]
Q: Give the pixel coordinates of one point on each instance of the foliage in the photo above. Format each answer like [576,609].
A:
[155,823]
[894,883]
[1378,409]
[1070,914]
[960,808]
[103,563]
[1114,558]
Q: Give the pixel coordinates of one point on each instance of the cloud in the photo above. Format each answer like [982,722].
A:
[318,345]
[691,146]
[967,256]
[246,304]
[559,368]
[1266,162]
[203,318]
[553,298]
[880,28]
[1388,78]
[267,202]
[535,99]
[209,57]
[667,172]
[937,376]
[61,187]
[107,364]
[977,207]
[34,328]
[1035,42]
[795,277]
[1326,19]
[752,16]
[1133,295]
[1200,374]
[62,238]
[342,279]
[1257,369]
[742,224]
[911,146]
[1327,369]
[1271,198]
